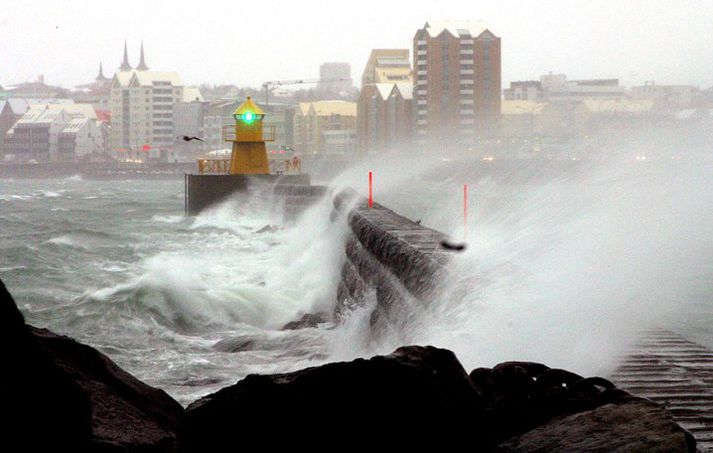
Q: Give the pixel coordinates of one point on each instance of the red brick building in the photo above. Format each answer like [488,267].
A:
[457,83]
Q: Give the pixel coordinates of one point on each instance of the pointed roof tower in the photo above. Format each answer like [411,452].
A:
[142,63]
[125,66]
[100,77]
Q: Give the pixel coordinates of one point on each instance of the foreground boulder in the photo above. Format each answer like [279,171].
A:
[62,395]
[126,413]
[421,388]
[522,395]
[45,409]
[634,426]
[421,396]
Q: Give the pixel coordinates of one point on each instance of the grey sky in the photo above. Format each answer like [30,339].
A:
[247,42]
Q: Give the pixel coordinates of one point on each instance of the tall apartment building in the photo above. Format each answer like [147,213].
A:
[142,103]
[457,82]
[384,119]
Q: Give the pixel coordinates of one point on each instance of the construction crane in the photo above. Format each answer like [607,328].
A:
[275,83]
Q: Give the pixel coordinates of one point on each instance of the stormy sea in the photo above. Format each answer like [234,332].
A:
[556,273]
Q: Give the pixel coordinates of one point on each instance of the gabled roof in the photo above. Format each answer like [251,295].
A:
[146,78]
[304,107]
[405,89]
[191,94]
[384,89]
[336,107]
[20,105]
[84,110]
[38,115]
[457,28]
[123,78]
[74,125]
[103,115]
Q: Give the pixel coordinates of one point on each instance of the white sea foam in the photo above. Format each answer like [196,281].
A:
[168,218]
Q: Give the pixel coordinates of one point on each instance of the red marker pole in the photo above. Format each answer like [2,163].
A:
[371,198]
[465,211]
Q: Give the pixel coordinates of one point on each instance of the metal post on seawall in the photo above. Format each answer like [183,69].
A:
[465,212]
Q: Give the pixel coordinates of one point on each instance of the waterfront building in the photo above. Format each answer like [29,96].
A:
[384,118]
[556,87]
[54,132]
[457,79]
[142,104]
[527,90]
[325,127]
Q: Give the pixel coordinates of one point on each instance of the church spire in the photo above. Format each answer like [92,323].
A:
[142,63]
[125,66]
[100,77]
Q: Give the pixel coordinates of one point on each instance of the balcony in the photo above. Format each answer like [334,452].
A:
[268,134]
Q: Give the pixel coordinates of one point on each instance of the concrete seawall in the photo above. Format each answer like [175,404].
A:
[390,261]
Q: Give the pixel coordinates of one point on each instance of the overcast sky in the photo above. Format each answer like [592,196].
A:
[247,42]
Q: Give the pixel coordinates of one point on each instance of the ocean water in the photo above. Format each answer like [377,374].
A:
[115,264]
[561,271]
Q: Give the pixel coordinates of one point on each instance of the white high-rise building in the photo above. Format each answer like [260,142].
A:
[142,103]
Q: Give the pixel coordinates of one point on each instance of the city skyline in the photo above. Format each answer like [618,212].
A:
[666,42]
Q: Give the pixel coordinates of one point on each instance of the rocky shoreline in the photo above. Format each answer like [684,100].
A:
[62,395]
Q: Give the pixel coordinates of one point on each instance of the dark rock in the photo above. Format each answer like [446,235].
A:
[309,320]
[522,395]
[413,387]
[126,413]
[62,395]
[634,426]
[45,410]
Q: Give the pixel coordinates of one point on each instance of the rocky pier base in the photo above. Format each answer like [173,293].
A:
[61,395]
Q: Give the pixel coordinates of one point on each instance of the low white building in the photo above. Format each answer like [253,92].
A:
[53,132]
[556,87]
[673,97]
[80,137]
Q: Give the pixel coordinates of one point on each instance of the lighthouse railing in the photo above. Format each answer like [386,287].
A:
[268,134]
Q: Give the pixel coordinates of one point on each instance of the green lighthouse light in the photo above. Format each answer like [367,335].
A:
[248,113]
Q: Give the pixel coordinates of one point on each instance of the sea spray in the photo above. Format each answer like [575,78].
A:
[564,271]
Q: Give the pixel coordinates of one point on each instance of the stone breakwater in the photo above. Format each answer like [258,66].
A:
[62,395]
[391,261]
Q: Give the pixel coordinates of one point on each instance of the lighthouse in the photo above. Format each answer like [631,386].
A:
[249,156]
[248,165]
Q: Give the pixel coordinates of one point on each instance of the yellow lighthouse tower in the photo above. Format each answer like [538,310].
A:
[248,165]
[249,155]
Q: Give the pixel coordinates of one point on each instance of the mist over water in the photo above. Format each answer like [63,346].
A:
[559,269]
[564,271]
